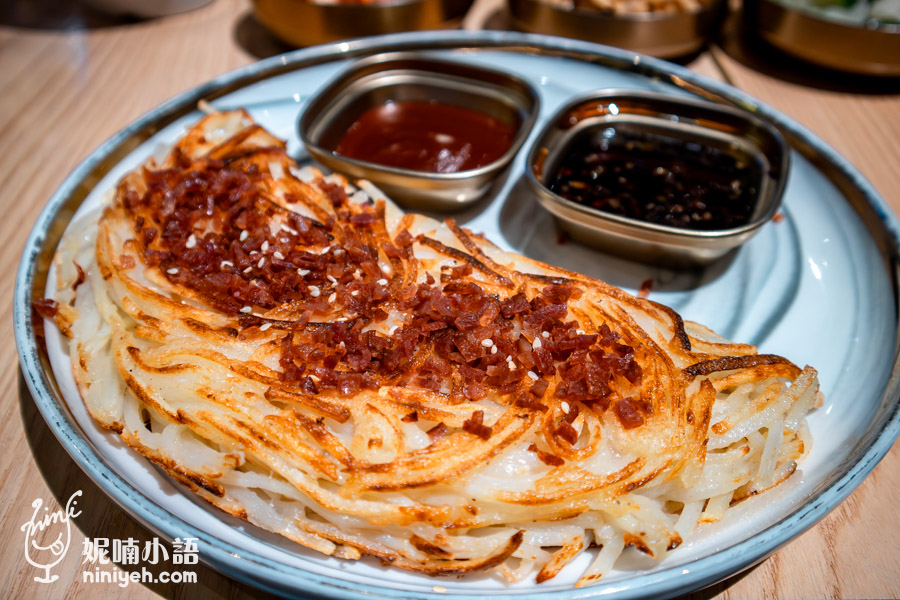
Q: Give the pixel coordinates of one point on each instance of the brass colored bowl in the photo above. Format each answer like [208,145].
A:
[661,34]
[307,23]
[865,49]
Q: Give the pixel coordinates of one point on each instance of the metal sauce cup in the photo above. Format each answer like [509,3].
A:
[732,131]
[405,76]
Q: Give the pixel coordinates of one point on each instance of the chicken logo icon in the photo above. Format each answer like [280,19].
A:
[45,525]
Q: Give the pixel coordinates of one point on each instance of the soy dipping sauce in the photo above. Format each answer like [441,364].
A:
[659,179]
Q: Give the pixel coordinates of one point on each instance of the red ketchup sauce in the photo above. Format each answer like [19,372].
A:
[427,136]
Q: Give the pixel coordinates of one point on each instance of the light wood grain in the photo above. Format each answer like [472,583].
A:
[65,90]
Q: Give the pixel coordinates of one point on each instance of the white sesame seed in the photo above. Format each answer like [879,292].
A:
[172,271]
[393,329]
[226,263]
[382,281]
[536,343]
[511,365]
[339,252]
[254,252]
[493,349]
[565,406]
[579,331]
[191,241]
[314,291]
[244,235]
[385,270]
[325,250]
[246,309]
[533,375]
[332,297]
[288,229]
[261,263]
[248,269]
[284,240]
[545,334]
[342,345]
[356,274]
[278,255]
[265,246]
[487,342]
[314,378]
[265,326]
[331,279]
[302,272]
[354,293]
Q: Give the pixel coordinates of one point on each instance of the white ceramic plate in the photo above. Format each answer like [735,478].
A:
[814,287]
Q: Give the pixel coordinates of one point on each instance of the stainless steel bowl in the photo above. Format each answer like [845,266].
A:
[411,76]
[307,23]
[870,49]
[730,130]
[665,35]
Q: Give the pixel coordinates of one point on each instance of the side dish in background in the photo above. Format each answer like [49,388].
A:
[307,23]
[846,37]
[662,28]
[305,356]
[427,136]
[470,122]
[625,7]
[659,179]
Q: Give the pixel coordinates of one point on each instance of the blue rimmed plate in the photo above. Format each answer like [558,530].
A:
[818,286]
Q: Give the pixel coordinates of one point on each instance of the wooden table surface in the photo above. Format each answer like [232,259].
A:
[70,78]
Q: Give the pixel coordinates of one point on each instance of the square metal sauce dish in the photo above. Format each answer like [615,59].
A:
[414,79]
[603,166]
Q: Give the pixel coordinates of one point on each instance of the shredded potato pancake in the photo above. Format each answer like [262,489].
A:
[303,355]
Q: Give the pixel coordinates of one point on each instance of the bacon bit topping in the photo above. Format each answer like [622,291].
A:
[567,433]
[437,432]
[46,307]
[628,411]
[80,278]
[475,425]
[646,286]
[411,417]
[457,338]
[526,402]
[539,388]
[547,458]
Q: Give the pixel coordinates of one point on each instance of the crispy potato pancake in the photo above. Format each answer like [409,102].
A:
[305,356]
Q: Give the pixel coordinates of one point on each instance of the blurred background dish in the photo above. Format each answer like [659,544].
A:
[661,28]
[308,22]
[146,8]
[854,35]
